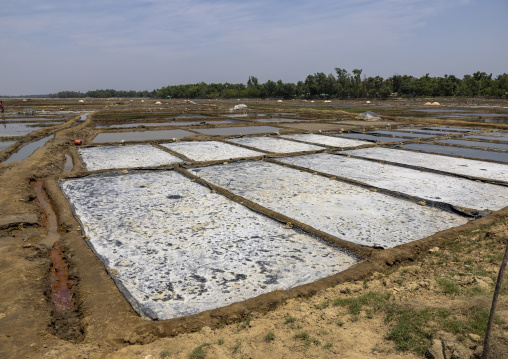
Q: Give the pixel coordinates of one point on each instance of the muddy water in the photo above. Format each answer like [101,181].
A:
[52,234]
[16,129]
[66,322]
[27,150]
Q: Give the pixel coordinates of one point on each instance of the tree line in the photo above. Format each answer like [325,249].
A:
[342,84]
[349,85]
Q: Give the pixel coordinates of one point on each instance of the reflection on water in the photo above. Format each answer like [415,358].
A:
[27,150]
[459,151]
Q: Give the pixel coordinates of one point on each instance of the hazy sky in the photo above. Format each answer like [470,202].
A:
[55,45]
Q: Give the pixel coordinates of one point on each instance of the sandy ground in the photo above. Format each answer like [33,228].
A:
[305,322]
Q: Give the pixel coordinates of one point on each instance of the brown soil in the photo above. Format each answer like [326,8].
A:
[103,325]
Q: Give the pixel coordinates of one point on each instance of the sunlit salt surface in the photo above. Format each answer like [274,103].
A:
[326,140]
[430,186]
[210,150]
[6,144]
[104,137]
[176,249]
[275,144]
[467,167]
[110,157]
[349,212]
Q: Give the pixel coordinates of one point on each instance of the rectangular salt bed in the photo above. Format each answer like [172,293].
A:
[462,166]
[430,186]
[111,157]
[326,140]
[346,211]
[104,137]
[275,144]
[175,248]
[210,150]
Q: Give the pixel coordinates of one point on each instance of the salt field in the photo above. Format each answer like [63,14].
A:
[459,151]
[430,186]
[176,248]
[105,137]
[112,157]
[349,212]
[231,131]
[462,166]
[326,140]
[210,150]
[275,144]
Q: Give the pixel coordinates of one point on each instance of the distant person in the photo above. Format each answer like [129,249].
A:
[2,106]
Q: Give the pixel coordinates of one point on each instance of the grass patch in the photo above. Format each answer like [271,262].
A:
[269,337]
[220,341]
[410,331]
[289,320]
[237,346]
[164,353]
[448,286]
[199,352]
[244,324]
[323,305]
[375,300]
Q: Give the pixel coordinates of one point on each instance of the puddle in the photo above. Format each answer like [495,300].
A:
[177,249]
[18,129]
[113,157]
[210,150]
[104,137]
[69,164]
[402,134]
[275,144]
[228,131]
[83,117]
[349,212]
[6,144]
[430,186]
[173,123]
[326,140]
[459,151]
[27,150]
[462,166]
[51,223]
[476,143]
[361,136]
